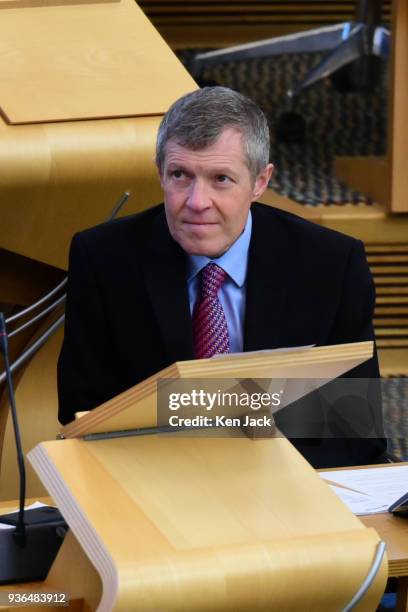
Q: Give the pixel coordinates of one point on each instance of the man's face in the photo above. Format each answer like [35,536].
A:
[208,193]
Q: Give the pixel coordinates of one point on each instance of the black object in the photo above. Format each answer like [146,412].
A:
[30,558]
[291,128]
[29,548]
[362,75]
[400,507]
[203,82]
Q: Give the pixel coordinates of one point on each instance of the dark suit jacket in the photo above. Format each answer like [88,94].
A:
[127,311]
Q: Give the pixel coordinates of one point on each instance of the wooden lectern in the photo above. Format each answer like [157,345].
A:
[177,522]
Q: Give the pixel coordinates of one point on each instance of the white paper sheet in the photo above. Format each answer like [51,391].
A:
[369,490]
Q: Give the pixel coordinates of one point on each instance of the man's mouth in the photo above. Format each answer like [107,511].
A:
[199,223]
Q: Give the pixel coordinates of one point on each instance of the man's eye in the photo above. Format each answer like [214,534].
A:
[177,174]
[222,178]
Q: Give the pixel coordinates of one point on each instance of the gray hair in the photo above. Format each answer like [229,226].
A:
[197,120]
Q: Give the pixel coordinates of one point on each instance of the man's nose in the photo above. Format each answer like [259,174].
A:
[199,197]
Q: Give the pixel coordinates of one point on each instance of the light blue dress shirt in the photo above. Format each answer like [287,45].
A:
[232,291]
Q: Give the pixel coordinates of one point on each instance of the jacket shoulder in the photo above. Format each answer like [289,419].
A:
[137,226]
[300,229]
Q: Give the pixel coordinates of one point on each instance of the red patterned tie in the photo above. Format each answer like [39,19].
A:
[210,329]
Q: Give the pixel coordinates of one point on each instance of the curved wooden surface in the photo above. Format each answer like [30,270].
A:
[82,582]
[179,524]
[57,179]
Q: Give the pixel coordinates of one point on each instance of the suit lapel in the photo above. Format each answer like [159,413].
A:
[266,321]
[165,276]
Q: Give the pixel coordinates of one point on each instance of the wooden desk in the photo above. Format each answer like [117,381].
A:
[393,530]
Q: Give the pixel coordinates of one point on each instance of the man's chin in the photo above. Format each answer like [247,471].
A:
[205,243]
[205,248]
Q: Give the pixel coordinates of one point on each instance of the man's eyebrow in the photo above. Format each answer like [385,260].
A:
[224,170]
[175,164]
[172,166]
[213,170]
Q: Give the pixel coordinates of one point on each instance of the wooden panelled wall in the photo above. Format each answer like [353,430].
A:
[201,23]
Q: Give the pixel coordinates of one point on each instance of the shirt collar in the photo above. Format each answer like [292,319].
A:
[234,261]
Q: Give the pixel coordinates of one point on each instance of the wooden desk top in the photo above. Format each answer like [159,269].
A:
[392,529]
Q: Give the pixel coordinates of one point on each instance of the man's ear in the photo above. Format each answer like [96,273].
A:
[261,181]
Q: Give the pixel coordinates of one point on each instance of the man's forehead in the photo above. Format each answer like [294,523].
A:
[228,148]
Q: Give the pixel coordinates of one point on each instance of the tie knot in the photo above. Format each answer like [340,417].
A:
[212,277]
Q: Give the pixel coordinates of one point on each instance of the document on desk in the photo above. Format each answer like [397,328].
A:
[368,490]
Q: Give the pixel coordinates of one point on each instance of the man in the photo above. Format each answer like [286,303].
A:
[139,292]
